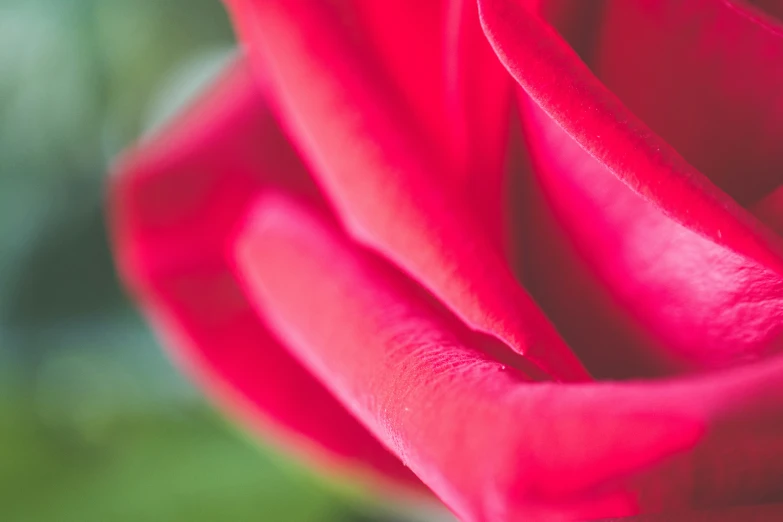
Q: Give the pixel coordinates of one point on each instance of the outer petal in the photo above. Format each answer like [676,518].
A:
[383,181]
[491,444]
[659,278]
[174,203]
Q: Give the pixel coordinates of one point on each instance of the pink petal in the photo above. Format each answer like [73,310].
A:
[453,86]
[635,290]
[561,84]
[666,274]
[706,76]
[490,443]
[413,65]
[388,189]
[174,204]
[445,78]
[478,89]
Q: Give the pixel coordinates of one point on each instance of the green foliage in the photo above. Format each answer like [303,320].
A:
[173,467]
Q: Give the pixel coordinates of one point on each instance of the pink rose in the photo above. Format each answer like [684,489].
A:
[523,252]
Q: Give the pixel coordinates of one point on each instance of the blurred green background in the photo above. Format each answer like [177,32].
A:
[95,425]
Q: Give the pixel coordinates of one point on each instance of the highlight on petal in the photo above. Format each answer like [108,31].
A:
[175,202]
[387,187]
[452,84]
[412,67]
[638,288]
[478,92]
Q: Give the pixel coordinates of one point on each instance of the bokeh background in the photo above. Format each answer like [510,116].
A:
[95,424]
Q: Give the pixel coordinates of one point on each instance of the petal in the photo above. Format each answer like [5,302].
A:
[478,90]
[174,203]
[632,290]
[492,444]
[455,88]
[705,75]
[444,76]
[386,186]
[653,282]
[555,78]
[413,66]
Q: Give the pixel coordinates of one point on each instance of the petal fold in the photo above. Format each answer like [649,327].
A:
[668,274]
[554,76]
[492,444]
[632,290]
[388,189]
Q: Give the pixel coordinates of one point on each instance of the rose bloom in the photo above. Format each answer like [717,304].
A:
[523,253]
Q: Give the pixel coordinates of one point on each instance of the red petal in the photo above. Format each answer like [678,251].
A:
[175,203]
[706,76]
[444,77]
[477,88]
[455,89]
[387,188]
[654,280]
[491,444]
[561,84]
[637,291]
[412,66]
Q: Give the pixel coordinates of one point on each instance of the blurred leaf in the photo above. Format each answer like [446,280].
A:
[184,83]
[173,468]
[142,42]
[49,83]
[69,273]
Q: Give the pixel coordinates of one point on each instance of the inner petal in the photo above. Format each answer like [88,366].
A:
[705,75]
[631,290]
[694,279]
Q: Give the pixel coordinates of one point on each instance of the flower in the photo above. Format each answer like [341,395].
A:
[338,243]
